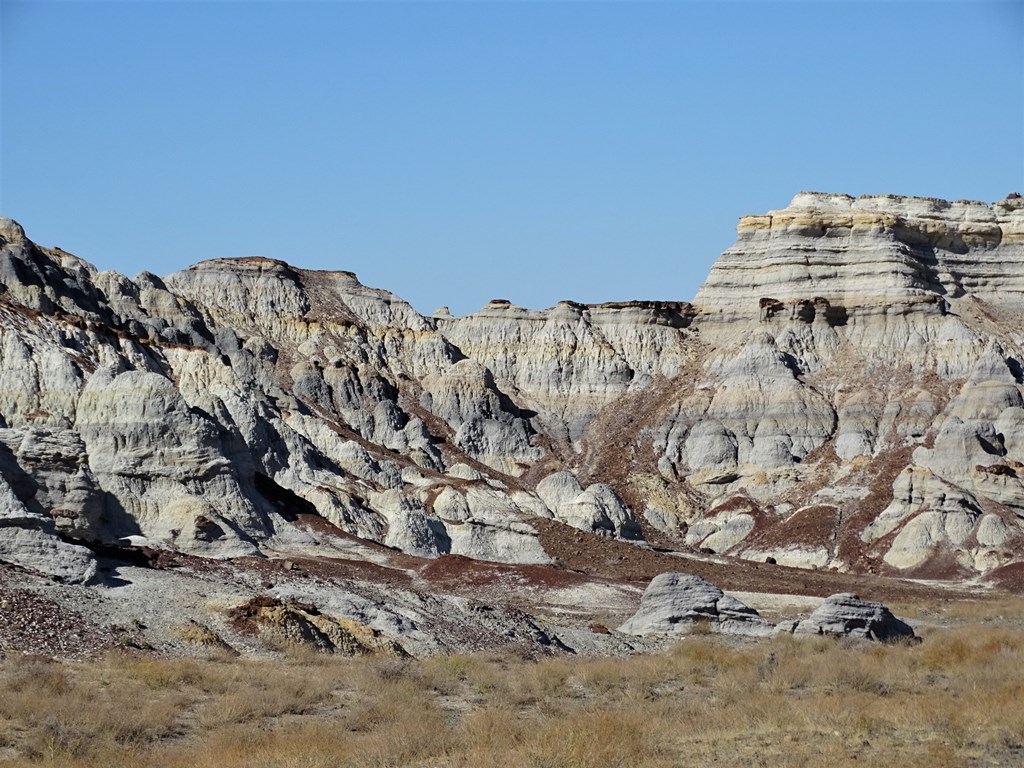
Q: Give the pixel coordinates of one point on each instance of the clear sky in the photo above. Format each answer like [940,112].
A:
[458,152]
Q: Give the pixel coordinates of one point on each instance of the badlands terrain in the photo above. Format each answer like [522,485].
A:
[245,460]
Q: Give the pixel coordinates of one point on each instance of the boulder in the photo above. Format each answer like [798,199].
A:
[43,552]
[598,509]
[674,603]
[29,540]
[846,615]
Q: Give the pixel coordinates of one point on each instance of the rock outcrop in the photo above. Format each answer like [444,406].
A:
[676,603]
[304,625]
[679,603]
[844,392]
[846,615]
[852,338]
[29,537]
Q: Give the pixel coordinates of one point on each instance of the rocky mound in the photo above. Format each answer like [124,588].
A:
[679,602]
[846,615]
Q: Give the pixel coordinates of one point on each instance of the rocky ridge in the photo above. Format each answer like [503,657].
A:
[844,393]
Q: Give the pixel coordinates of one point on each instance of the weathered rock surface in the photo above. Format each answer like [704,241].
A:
[29,539]
[846,615]
[677,602]
[598,509]
[844,392]
[304,625]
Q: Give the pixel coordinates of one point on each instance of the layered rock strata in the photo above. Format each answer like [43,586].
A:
[679,602]
[846,615]
[844,392]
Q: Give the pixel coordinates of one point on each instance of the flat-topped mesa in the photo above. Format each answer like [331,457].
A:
[571,360]
[880,254]
[243,288]
[675,313]
[255,290]
[941,222]
[258,263]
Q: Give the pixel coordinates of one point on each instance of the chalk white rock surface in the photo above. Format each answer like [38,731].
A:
[598,509]
[206,409]
[846,615]
[676,602]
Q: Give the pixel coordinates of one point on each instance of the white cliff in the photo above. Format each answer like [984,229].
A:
[844,392]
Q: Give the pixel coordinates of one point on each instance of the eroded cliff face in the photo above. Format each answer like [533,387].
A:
[844,392]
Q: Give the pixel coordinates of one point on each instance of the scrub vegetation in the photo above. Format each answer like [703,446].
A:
[952,700]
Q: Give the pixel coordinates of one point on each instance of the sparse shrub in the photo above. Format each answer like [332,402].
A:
[56,739]
[953,700]
[171,674]
[392,669]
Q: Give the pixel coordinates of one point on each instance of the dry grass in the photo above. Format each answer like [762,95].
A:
[953,700]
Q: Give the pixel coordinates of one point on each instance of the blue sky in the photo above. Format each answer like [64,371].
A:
[458,152]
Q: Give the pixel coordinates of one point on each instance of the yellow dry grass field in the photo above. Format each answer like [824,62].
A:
[956,699]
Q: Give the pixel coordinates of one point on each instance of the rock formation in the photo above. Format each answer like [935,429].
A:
[845,392]
[679,602]
[846,615]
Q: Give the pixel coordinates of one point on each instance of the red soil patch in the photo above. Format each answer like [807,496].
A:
[33,624]
[1009,577]
[764,523]
[619,561]
[942,565]
[458,571]
[857,515]
[244,618]
[813,526]
[328,569]
[610,451]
